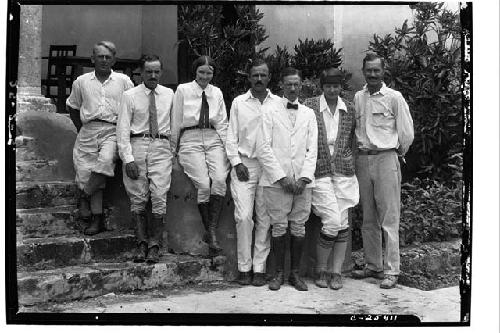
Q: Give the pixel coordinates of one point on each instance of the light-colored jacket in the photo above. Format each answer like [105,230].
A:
[287,150]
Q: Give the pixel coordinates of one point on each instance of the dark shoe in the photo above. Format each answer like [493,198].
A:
[215,208]
[390,281]
[153,255]
[322,280]
[96,225]
[336,281]
[142,252]
[295,280]
[259,279]
[277,281]
[244,278]
[365,273]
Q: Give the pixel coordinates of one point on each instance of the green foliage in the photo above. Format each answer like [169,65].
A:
[231,46]
[430,211]
[423,63]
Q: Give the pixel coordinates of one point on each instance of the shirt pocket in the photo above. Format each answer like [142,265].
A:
[382,114]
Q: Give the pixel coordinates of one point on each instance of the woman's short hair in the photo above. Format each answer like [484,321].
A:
[331,75]
[201,61]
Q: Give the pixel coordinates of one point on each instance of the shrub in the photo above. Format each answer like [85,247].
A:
[423,63]
[430,211]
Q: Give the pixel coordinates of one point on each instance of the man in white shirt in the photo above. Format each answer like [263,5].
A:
[384,129]
[244,126]
[93,107]
[287,149]
[143,133]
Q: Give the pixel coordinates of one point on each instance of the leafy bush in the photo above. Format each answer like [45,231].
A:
[430,211]
[423,63]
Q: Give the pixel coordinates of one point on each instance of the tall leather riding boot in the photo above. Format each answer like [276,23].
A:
[203,208]
[96,225]
[215,209]
[278,251]
[139,219]
[296,245]
[155,237]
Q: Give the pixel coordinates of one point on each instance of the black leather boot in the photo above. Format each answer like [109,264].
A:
[296,244]
[205,218]
[278,251]
[155,238]
[139,219]
[215,209]
[96,225]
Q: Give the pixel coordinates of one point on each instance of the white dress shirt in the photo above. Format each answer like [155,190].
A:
[244,124]
[134,116]
[284,149]
[97,100]
[331,120]
[187,106]
[383,120]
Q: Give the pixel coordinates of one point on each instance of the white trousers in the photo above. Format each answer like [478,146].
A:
[284,207]
[331,199]
[245,196]
[154,160]
[204,160]
[95,150]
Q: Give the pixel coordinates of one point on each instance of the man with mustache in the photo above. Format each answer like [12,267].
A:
[244,125]
[384,129]
[93,107]
[143,133]
[287,150]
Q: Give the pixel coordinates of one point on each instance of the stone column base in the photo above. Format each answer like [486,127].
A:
[34,103]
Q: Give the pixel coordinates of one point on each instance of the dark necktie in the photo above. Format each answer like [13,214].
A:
[204,113]
[153,117]
[292,106]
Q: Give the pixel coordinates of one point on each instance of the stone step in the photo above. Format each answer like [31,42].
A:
[46,222]
[36,170]
[46,253]
[80,282]
[45,194]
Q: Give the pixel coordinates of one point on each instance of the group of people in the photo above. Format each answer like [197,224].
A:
[286,159]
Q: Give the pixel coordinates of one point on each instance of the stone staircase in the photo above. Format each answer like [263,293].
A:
[56,262]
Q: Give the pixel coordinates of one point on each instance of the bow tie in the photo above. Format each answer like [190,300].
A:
[292,106]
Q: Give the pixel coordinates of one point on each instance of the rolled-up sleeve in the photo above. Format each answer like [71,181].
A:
[404,123]
[123,130]
[74,100]
[232,136]
[265,155]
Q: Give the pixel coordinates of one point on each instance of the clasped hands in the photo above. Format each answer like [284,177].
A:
[291,186]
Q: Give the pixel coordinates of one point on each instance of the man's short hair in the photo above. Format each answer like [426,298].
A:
[289,71]
[150,58]
[331,75]
[107,44]
[201,61]
[372,57]
[256,63]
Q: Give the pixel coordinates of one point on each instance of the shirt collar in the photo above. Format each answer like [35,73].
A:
[323,105]
[197,89]
[286,101]
[148,91]
[94,77]
[383,90]
[249,94]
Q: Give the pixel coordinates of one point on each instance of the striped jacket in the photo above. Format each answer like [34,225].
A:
[342,161]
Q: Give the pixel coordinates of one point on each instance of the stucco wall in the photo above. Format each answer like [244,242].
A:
[135,29]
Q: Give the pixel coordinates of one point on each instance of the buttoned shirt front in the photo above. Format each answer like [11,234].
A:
[331,120]
[97,100]
[383,120]
[134,116]
[244,124]
[284,149]
[187,106]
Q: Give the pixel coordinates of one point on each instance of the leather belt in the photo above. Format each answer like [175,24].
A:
[103,121]
[374,152]
[148,136]
[197,127]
